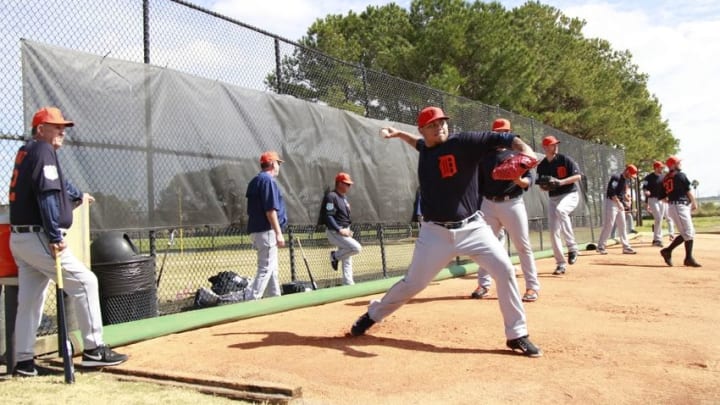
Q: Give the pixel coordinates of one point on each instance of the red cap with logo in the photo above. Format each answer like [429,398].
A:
[658,164]
[501,125]
[50,115]
[550,140]
[343,177]
[430,114]
[269,156]
[672,161]
[632,170]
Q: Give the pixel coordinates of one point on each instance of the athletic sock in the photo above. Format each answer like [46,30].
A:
[689,249]
[675,243]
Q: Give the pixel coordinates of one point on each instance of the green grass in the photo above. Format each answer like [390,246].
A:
[702,225]
[99,388]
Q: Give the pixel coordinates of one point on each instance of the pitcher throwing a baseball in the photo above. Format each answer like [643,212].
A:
[453,226]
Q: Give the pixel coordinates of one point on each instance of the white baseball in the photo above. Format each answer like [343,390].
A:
[384,132]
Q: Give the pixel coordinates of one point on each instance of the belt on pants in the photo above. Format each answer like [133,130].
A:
[457,224]
[26,228]
[500,198]
[679,202]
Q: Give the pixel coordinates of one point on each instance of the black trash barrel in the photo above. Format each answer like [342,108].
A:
[126,279]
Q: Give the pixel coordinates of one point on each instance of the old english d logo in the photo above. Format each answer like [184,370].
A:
[561,172]
[447,164]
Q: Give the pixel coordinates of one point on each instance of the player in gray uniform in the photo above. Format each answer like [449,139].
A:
[563,200]
[503,207]
[652,186]
[615,210]
[41,204]
[448,174]
[335,213]
[267,217]
[681,200]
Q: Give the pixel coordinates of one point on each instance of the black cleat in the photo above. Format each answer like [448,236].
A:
[479,292]
[362,325]
[572,257]
[524,346]
[102,356]
[333,261]
[559,270]
[25,368]
[691,263]
[667,256]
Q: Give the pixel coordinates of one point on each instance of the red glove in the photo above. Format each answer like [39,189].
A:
[514,167]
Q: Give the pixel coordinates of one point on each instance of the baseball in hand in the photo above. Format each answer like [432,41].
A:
[384,132]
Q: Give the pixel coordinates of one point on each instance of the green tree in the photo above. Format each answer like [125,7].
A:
[532,60]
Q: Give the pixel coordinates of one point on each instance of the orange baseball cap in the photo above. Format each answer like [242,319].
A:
[269,156]
[430,114]
[550,140]
[343,178]
[632,169]
[672,161]
[657,164]
[501,124]
[50,115]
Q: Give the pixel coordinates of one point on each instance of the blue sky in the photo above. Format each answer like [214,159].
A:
[677,43]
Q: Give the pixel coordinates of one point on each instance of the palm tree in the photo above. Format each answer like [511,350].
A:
[695,185]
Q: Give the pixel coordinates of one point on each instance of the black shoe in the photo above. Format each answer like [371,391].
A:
[102,356]
[667,256]
[479,292]
[572,257]
[25,368]
[361,325]
[691,263]
[525,346]
[333,261]
[559,270]
[657,243]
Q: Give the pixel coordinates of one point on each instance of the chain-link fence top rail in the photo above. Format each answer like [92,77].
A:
[175,142]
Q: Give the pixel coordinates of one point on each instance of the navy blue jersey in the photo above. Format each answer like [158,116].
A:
[448,173]
[653,184]
[335,211]
[490,187]
[38,192]
[263,194]
[616,187]
[561,167]
[675,187]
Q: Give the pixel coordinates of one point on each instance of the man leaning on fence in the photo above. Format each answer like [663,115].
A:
[335,214]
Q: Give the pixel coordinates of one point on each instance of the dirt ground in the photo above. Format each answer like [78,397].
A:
[615,329]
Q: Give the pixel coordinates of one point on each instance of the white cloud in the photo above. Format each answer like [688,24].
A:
[678,46]
[289,18]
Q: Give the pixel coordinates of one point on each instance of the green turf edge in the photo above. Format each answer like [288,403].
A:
[150,328]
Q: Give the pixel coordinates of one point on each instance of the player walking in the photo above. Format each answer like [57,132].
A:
[503,207]
[564,197]
[652,187]
[676,188]
[615,210]
[267,217]
[448,174]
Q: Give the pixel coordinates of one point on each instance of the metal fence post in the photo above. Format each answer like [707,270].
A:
[291,245]
[383,257]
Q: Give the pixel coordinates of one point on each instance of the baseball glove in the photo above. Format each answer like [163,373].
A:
[547,183]
[514,167]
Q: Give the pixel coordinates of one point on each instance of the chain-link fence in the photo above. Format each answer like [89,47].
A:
[155,68]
